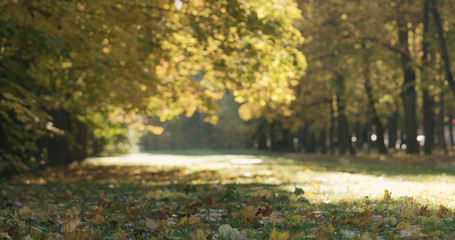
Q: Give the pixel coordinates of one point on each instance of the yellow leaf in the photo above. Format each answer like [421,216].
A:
[404,226]
[200,235]
[387,195]
[275,235]
[184,221]
[297,218]
[309,195]
[331,228]
[315,185]
[435,234]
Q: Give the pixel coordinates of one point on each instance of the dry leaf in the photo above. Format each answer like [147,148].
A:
[200,235]
[184,221]
[70,225]
[444,212]
[275,235]
[194,220]
[387,195]
[408,213]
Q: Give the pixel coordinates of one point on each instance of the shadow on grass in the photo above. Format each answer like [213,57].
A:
[130,195]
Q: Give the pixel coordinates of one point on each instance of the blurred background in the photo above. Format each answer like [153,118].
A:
[95,78]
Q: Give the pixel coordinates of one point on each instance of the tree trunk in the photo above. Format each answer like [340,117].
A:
[373,113]
[393,129]
[279,137]
[408,93]
[442,139]
[310,142]
[344,138]
[428,122]
[332,129]
[57,146]
[427,106]
[442,42]
[79,131]
[322,137]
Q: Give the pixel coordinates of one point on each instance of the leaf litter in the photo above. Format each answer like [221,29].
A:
[120,202]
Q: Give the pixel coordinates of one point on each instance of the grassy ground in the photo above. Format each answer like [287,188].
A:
[202,195]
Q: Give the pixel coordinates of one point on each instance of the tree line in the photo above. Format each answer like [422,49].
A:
[379,76]
[376,68]
[76,75]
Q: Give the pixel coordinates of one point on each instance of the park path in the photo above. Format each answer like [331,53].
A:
[321,183]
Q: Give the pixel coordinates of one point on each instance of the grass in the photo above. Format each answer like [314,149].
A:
[191,194]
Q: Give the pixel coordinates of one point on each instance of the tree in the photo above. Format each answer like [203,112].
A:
[124,62]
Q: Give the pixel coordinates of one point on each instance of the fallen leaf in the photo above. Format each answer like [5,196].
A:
[184,221]
[315,186]
[408,213]
[387,195]
[444,212]
[200,235]
[194,220]
[70,225]
[275,235]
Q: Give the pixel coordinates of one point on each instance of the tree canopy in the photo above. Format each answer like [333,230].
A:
[129,62]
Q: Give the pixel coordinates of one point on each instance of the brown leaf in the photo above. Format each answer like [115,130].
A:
[70,225]
[194,220]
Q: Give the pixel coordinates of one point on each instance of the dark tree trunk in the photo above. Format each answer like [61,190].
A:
[427,106]
[393,129]
[442,139]
[310,142]
[366,136]
[332,129]
[428,122]
[408,93]
[358,133]
[344,138]
[373,113]
[442,42]
[57,146]
[79,131]
[279,137]
[323,139]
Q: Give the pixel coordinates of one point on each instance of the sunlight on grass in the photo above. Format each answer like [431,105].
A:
[322,185]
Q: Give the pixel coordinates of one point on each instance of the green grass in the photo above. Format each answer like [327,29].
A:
[190,194]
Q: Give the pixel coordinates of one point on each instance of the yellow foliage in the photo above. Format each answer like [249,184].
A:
[275,235]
